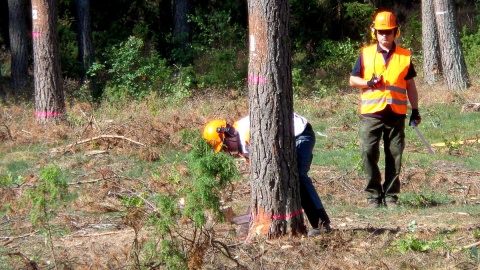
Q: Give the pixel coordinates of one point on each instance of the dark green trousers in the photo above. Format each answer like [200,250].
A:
[392,132]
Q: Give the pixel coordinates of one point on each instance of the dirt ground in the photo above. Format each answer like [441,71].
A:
[95,230]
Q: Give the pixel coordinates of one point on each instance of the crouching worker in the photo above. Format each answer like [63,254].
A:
[234,139]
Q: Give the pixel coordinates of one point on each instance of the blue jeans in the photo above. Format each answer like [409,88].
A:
[310,200]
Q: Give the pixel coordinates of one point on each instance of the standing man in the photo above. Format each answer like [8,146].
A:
[384,72]
[234,139]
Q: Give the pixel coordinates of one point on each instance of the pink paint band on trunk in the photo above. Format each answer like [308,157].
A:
[256,79]
[47,114]
[36,34]
[277,217]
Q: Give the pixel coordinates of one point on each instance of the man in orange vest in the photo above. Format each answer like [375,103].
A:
[234,139]
[385,74]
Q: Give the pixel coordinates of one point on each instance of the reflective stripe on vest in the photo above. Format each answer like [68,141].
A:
[394,88]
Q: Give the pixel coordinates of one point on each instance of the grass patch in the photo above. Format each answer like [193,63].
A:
[424,199]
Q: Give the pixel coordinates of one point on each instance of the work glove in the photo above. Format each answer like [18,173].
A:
[375,82]
[415,118]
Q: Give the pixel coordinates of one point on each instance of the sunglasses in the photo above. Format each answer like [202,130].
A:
[385,32]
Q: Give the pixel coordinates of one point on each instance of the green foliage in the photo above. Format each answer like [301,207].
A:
[216,30]
[325,71]
[209,173]
[358,19]
[216,42]
[411,34]
[133,201]
[423,199]
[135,73]
[68,46]
[476,234]
[336,54]
[412,243]
[183,81]
[9,179]
[471,50]
[221,68]
[50,191]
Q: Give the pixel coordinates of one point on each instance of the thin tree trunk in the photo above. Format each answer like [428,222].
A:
[3,95]
[17,28]
[181,28]
[275,200]
[453,63]
[85,45]
[431,50]
[49,96]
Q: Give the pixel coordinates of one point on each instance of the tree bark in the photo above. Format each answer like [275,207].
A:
[431,50]
[181,28]
[17,28]
[3,95]
[49,96]
[453,63]
[85,45]
[275,199]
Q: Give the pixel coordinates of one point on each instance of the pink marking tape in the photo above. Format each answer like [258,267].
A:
[277,217]
[47,114]
[36,34]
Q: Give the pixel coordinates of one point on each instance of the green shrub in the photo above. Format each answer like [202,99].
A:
[412,243]
[180,218]
[134,72]
[49,192]
[471,50]
[423,199]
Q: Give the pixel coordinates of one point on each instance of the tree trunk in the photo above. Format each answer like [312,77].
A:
[453,62]
[181,28]
[49,96]
[165,14]
[275,200]
[431,50]
[85,45]
[17,27]
[3,95]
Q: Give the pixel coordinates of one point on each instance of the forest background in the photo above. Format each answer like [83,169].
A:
[102,190]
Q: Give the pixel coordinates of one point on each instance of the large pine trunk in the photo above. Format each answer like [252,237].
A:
[17,28]
[431,51]
[275,199]
[453,63]
[49,96]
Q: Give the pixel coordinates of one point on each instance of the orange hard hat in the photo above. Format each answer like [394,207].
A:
[212,136]
[385,20]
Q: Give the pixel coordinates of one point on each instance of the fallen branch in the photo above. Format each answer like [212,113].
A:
[105,137]
[20,236]
[29,263]
[98,234]
[472,245]
[97,138]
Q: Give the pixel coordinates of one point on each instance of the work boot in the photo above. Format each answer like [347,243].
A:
[374,203]
[391,201]
[324,220]
[313,232]
[327,227]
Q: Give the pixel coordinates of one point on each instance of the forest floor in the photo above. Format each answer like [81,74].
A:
[95,231]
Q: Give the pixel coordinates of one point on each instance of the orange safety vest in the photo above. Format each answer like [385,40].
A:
[394,87]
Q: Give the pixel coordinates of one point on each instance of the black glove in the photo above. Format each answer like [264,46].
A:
[375,82]
[415,118]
